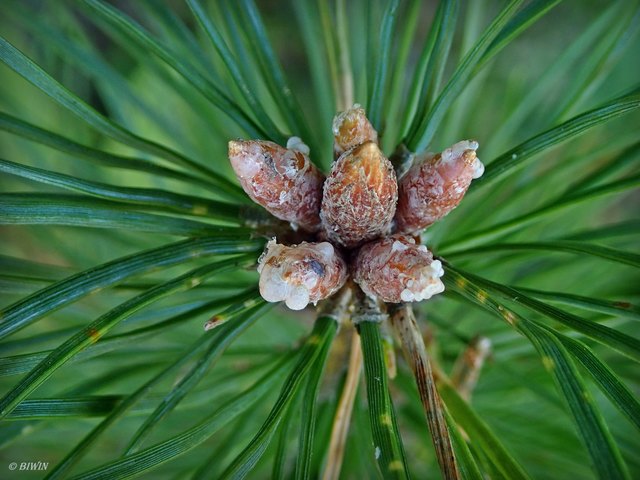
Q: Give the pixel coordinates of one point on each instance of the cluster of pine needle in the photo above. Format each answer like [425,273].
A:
[123,230]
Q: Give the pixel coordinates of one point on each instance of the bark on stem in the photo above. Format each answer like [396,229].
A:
[342,418]
[403,321]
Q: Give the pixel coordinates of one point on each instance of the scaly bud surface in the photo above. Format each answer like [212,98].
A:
[300,274]
[435,186]
[395,269]
[284,181]
[360,196]
[352,128]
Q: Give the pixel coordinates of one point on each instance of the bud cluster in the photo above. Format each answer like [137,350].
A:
[435,185]
[282,180]
[301,274]
[395,269]
[360,196]
[359,219]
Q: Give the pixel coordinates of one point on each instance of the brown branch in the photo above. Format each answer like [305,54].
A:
[468,365]
[345,95]
[342,418]
[404,322]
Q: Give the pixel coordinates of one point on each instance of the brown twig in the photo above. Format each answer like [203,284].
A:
[342,417]
[404,322]
[468,365]
[345,99]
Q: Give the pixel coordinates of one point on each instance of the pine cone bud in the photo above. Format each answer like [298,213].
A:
[352,128]
[284,181]
[435,186]
[360,195]
[300,274]
[395,269]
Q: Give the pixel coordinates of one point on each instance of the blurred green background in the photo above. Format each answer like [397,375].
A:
[536,82]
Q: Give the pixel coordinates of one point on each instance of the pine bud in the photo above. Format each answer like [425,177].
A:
[352,128]
[360,196]
[395,269]
[435,186]
[284,181]
[300,274]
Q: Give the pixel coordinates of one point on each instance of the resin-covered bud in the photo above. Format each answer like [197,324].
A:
[395,269]
[300,274]
[352,128]
[360,196]
[435,186]
[282,180]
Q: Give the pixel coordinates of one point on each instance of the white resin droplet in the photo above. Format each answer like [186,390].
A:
[436,266]
[430,290]
[406,295]
[269,250]
[273,289]
[298,298]
[429,281]
[326,249]
[456,151]
[245,161]
[478,168]
[296,143]
[398,246]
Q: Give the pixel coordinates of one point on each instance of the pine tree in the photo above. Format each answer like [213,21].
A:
[124,230]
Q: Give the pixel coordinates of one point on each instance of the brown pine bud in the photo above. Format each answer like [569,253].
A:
[352,128]
[284,181]
[360,195]
[395,269]
[435,186]
[300,274]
